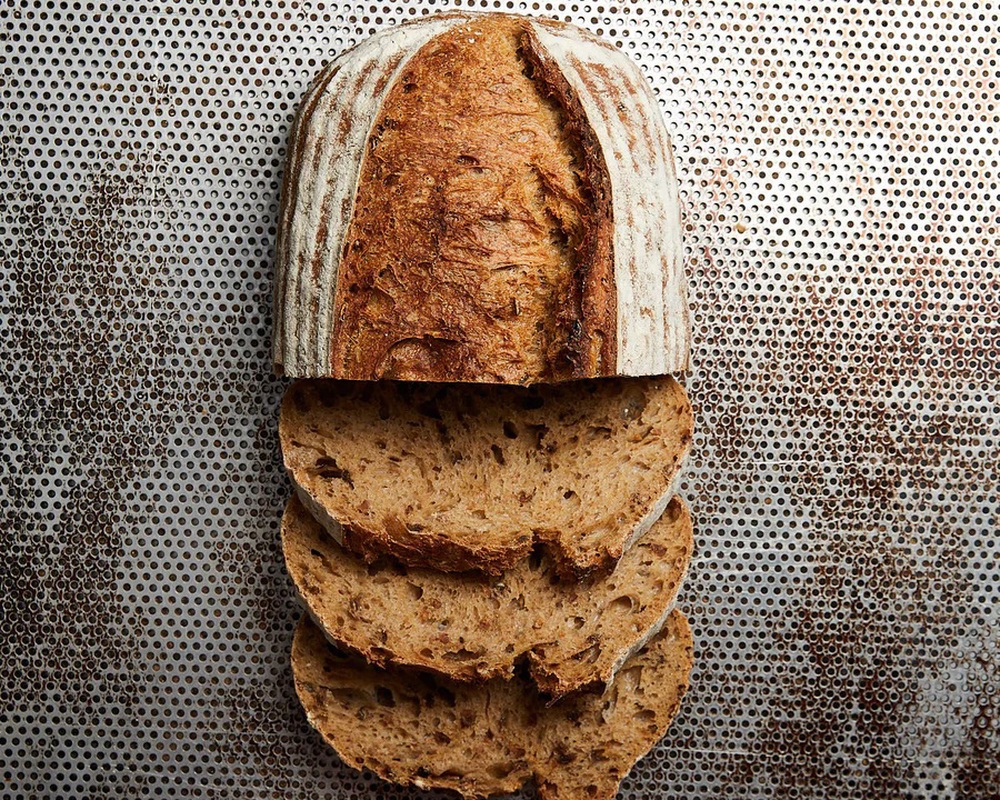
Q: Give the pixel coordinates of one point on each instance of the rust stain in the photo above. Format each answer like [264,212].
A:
[78,440]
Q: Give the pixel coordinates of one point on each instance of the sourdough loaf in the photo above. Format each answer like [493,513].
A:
[483,739]
[466,626]
[459,477]
[482,198]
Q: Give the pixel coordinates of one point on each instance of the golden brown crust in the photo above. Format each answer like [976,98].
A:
[589,313]
[483,198]
[480,243]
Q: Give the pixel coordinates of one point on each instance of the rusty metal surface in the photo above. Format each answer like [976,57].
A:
[840,168]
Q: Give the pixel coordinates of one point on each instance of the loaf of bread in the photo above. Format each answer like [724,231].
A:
[458,477]
[484,739]
[480,198]
[574,635]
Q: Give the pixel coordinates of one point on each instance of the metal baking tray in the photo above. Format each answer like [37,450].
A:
[841,195]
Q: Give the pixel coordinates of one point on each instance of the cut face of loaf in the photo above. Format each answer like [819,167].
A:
[480,198]
[459,477]
[466,626]
[484,739]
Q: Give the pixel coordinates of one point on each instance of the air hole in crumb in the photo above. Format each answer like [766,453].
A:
[427,653]
[623,604]
[510,430]
[383,697]
[316,552]
[588,655]
[462,654]
[500,771]
[443,738]
[577,622]
[408,87]
[569,494]
[376,567]
[498,454]
[539,432]
[630,679]
[415,592]
[446,695]
[535,559]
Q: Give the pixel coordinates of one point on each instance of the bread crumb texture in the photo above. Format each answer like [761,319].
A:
[493,737]
[468,626]
[469,477]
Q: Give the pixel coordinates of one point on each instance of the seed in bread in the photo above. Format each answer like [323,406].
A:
[466,626]
[459,477]
[491,738]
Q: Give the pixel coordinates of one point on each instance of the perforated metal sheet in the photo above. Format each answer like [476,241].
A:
[841,181]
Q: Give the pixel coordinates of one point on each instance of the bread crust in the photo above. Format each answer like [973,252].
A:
[467,228]
[481,223]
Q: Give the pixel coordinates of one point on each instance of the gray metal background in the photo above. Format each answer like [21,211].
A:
[839,168]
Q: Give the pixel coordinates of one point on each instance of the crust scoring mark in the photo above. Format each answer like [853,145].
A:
[321,199]
[652,311]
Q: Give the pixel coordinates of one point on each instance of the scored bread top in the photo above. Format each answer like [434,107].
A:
[459,477]
[482,198]
[467,626]
[491,738]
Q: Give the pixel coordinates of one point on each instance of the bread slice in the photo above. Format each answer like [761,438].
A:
[459,477]
[483,739]
[467,626]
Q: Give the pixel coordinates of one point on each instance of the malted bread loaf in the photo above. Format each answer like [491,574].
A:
[459,477]
[481,198]
[467,626]
[494,737]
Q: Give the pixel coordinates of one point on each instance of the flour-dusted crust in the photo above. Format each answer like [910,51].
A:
[653,328]
[468,627]
[481,198]
[326,148]
[495,737]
